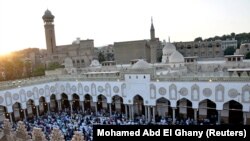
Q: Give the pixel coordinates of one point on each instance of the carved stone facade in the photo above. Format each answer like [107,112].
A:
[38,135]
[21,132]
[56,135]
[78,136]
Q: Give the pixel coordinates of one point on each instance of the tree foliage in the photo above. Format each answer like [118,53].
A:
[198,39]
[39,71]
[15,66]
[54,65]
[229,51]
[247,55]
[101,57]
[241,38]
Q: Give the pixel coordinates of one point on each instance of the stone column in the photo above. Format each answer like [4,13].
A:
[83,106]
[110,110]
[59,105]
[48,107]
[129,112]
[132,112]
[71,106]
[173,115]
[149,113]
[195,114]
[11,120]
[146,113]
[37,110]
[24,114]
[80,105]
[96,111]
[245,118]
[126,110]
[219,117]
[153,113]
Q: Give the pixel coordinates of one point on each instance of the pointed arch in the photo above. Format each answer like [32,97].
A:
[22,95]
[246,94]
[138,103]
[123,87]
[93,89]
[17,111]
[8,98]
[117,104]
[88,103]
[207,110]
[101,103]
[68,88]
[53,103]
[65,102]
[76,102]
[80,88]
[35,92]
[219,93]
[195,92]
[42,105]
[47,91]
[233,113]
[152,91]
[173,92]
[184,108]
[108,89]
[163,108]
[31,108]
[73,89]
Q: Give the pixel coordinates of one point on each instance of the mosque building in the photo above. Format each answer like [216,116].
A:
[80,51]
[177,87]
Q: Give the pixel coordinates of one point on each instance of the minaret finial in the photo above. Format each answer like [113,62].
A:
[152,29]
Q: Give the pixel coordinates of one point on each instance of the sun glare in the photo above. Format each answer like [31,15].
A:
[4,52]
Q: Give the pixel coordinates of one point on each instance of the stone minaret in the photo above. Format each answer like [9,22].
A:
[153,44]
[48,19]
[152,30]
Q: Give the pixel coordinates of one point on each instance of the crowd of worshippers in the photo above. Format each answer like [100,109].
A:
[83,121]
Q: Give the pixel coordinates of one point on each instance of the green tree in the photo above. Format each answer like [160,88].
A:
[39,71]
[233,35]
[18,65]
[229,51]
[198,39]
[110,57]
[216,38]
[9,71]
[101,57]
[53,66]
[247,55]
[28,68]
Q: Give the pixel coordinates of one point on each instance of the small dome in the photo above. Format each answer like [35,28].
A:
[176,57]
[141,64]
[168,48]
[48,15]
[47,12]
[95,63]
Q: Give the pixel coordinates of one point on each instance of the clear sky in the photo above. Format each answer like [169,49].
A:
[109,21]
